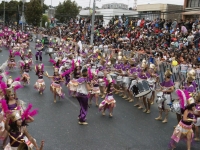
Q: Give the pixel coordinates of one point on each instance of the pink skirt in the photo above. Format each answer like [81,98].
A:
[181,129]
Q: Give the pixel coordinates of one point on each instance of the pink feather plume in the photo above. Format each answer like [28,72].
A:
[18,87]
[17,79]
[73,64]
[106,81]
[187,95]
[3,87]
[181,98]
[42,67]
[6,73]
[90,73]
[33,113]
[26,112]
[4,106]
[10,51]
[52,61]
[17,53]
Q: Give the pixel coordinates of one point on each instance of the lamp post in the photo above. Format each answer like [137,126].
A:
[42,1]
[93,17]
[23,20]
[4,13]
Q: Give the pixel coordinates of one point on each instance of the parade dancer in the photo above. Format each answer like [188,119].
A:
[18,133]
[40,84]
[83,90]
[167,87]
[3,132]
[11,61]
[39,48]
[25,75]
[73,82]
[30,57]
[109,101]
[95,89]
[55,87]
[184,127]
[197,114]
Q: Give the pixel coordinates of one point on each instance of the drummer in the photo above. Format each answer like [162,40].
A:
[126,79]
[142,75]
[132,73]
[152,84]
[167,87]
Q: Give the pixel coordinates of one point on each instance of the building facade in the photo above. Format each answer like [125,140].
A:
[115,6]
[163,11]
[191,9]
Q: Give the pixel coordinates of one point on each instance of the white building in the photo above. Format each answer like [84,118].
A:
[115,6]
[109,13]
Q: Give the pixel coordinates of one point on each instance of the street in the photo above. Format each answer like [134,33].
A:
[57,124]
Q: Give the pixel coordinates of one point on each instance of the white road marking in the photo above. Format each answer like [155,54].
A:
[71,101]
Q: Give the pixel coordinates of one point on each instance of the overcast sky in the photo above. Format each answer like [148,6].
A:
[86,3]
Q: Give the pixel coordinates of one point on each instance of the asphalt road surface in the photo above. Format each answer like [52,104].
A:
[57,124]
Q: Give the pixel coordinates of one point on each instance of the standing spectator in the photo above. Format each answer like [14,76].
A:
[174,24]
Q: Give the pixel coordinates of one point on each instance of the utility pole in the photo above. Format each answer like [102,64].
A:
[23,20]
[4,14]
[42,1]
[93,17]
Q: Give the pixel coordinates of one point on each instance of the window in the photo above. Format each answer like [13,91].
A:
[193,3]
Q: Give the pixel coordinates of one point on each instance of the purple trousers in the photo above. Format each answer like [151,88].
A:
[38,54]
[67,79]
[83,101]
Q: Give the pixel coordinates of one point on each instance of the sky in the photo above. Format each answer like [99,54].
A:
[99,3]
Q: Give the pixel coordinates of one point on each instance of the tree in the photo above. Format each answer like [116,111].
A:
[44,20]
[33,12]
[66,10]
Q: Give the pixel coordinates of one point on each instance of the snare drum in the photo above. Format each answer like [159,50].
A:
[176,107]
[143,88]
[160,99]
[113,76]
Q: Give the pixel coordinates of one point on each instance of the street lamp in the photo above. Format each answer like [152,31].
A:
[4,13]
[93,17]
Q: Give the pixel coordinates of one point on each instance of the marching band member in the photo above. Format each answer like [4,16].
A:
[95,89]
[184,127]
[132,73]
[82,92]
[167,87]
[40,84]
[142,75]
[55,87]
[25,75]
[152,83]
[125,78]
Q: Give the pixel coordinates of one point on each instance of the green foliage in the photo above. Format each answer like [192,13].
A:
[44,19]
[33,12]
[66,10]
[10,10]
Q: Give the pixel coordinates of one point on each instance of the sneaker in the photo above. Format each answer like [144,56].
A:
[82,123]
